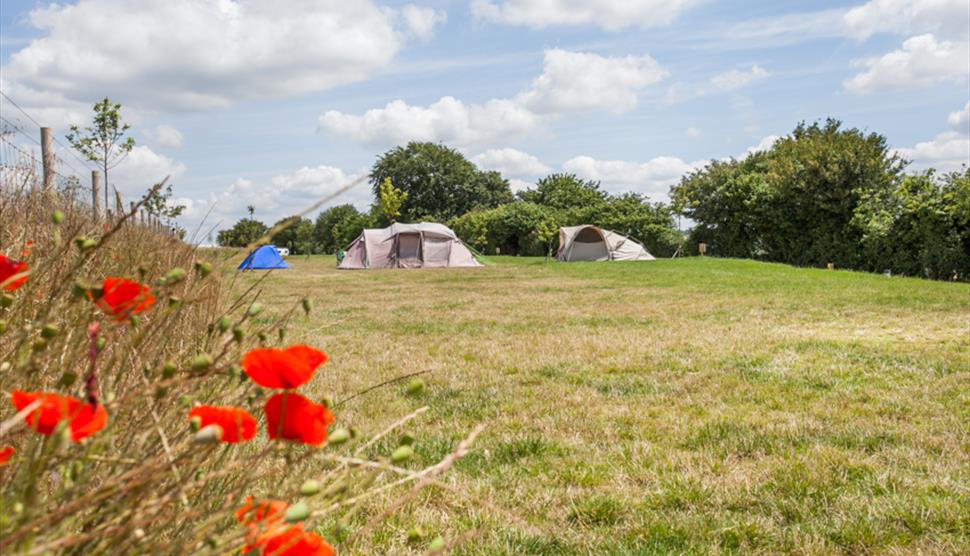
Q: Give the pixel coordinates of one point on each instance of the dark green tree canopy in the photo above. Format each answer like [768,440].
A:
[439,181]
[565,191]
[337,226]
[296,234]
[243,233]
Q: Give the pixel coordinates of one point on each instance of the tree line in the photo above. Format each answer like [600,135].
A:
[823,194]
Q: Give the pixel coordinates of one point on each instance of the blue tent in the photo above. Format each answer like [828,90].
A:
[263,258]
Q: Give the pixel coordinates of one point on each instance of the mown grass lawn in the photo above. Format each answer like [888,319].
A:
[676,406]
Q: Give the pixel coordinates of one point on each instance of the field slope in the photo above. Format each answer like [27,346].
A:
[685,406]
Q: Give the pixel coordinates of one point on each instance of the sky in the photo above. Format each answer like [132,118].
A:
[278,104]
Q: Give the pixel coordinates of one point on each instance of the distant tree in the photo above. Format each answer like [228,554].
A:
[104,141]
[519,228]
[243,233]
[390,199]
[296,234]
[439,182]
[565,191]
[650,224]
[338,226]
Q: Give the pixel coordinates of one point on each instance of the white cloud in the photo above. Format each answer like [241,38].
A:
[166,136]
[141,169]
[570,82]
[960,119]
[421,22]
[652,178]
[941,17]
[510,163]
[735,79]
[947,151]
[448,120]
[608,14]
[188,54]
[577,81]
[281,196]
[765,144]
[921,61]
[693,132]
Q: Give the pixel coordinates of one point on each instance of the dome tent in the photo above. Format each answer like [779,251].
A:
[262,258]
[591,243]
[421,245]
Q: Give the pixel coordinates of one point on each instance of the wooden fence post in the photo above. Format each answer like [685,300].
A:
[47,157]
[95,193]
[119,205]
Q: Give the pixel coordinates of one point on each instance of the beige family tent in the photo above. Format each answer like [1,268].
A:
[590,243]
[424,244]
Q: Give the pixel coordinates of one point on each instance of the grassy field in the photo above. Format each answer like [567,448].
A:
[685,406]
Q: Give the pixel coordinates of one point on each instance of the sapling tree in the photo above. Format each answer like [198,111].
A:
[390,199]
[104,140]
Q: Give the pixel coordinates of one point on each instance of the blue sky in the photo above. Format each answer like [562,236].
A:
[246,103]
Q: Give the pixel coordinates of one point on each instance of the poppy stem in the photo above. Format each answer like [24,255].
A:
[91,380]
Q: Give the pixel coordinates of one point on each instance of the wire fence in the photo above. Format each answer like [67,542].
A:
[65,172]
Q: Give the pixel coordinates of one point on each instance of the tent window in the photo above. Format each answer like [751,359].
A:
[588,235]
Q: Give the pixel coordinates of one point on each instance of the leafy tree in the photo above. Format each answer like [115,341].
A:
[439,182]
[390,199]
[104,141]
[565,191]
[519,228]
[650,224]
[337,226]
[243,233]
[296,235]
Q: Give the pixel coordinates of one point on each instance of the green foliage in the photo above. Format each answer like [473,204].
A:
[390,199]
[337,226]
[439,182]
[530,225]
[826,194]
[296,235]
[243,233]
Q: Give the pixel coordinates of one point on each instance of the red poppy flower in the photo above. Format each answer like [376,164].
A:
[283,368]
[84,419]
[236,424]
[9,269]
[292,541]
[252,512]
[122,298]
[5,454]
[292,417]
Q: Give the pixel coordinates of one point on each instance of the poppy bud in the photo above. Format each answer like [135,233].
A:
[255,309]
[3,326]
[281,332]
[327,402]
[415,386]
[297,512]
[407,440]
[307,305]
[238,334]
[57,217]
[168,370]
[48,331]
[6,300]
[262,337]
[438,543]
[235,371]
[173,277]
[310,487]
[195,423]
[84,243]
[174,301]
[160,392]
[208,434]
[401,454]
[185,400]
[99,344]
[201,362]
[339,436]
[77,467]
[67,379]
[354,432]
[39,344]
[211,542]
[224,323]
[204,269]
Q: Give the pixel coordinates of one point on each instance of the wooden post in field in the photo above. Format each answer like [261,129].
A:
[119,205]
[95,194]
[47,157]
